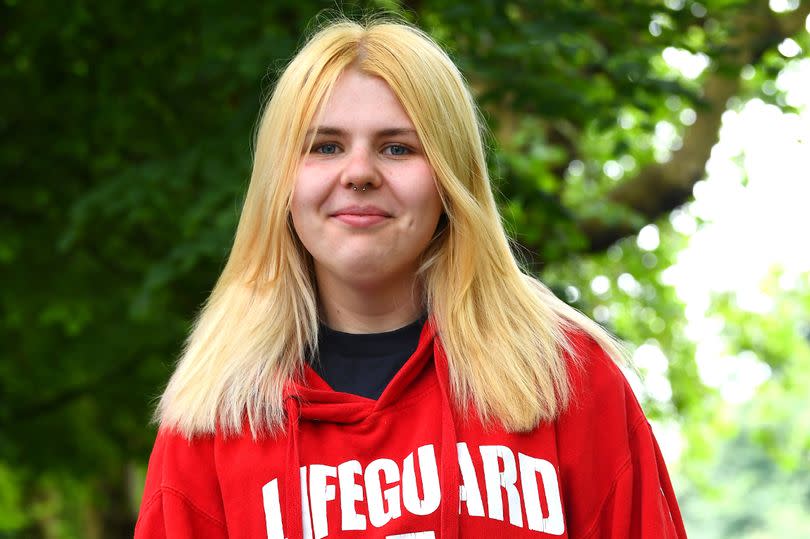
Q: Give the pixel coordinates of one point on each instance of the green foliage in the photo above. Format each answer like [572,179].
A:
[12,514]
[751,497]
[637,305]
[126,152]
[779,337]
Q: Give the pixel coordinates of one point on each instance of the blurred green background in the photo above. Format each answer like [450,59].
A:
[126,137]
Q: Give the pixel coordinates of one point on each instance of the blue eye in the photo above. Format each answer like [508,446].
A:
[397,150]
[328,149]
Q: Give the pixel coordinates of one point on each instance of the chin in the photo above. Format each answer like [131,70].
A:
[368,273]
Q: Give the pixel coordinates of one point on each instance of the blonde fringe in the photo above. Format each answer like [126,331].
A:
[504,333]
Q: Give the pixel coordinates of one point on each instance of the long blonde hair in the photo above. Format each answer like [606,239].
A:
[504,332]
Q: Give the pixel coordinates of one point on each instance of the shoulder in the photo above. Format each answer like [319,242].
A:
[597,433]
[597,382]
[179,456]
[184,469]
[610,463]
[603,413]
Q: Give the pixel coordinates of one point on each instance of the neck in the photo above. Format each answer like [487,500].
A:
[368,308]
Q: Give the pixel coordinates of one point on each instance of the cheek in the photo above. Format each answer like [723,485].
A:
[297,211]
[427,199]
[304,206]
[308,192]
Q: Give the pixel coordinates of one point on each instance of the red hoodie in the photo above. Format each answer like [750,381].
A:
[407,467]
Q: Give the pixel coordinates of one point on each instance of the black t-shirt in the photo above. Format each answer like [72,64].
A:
[364,363]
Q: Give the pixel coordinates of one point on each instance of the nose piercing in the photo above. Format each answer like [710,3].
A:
[354,187]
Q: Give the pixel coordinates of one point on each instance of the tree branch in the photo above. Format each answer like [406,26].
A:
[660,188]
[67,396]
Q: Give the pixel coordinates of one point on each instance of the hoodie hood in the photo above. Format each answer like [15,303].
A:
[319,402]
[312,400]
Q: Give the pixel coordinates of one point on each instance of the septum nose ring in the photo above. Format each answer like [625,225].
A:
[354,187]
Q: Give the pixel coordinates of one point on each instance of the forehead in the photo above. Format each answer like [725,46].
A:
[363,101]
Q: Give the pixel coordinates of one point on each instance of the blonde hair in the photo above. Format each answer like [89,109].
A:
[504,332]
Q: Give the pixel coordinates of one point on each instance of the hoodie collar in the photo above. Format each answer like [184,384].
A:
[312,399]
[319,402]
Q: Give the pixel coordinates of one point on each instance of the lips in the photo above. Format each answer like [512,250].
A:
[361,216]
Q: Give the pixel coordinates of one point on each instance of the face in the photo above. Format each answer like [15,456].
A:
[365,203]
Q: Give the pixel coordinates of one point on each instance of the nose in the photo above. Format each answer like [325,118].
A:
[360,172]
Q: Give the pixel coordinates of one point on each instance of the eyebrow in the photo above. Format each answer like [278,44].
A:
[336,131]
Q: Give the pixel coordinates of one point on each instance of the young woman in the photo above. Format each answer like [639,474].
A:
[372,361]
